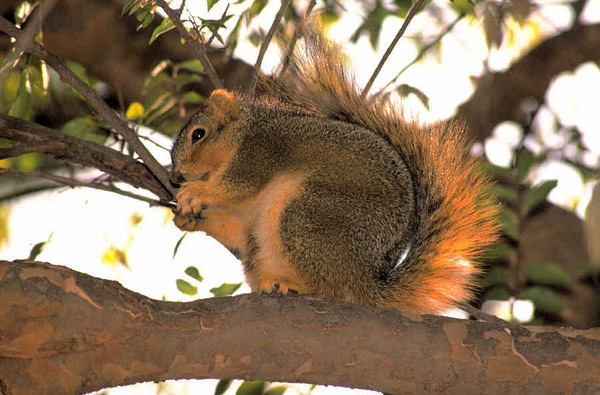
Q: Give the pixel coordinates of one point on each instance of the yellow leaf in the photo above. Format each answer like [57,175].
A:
[114,256]
[4,214]
[135,110]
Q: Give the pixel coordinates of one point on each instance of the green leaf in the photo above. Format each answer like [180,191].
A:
[493,170]
[256,8]
[79,71]
[495,251]
[547,273]
[211,3]
[28,162]
[165,26]
[523,162]
[10,90]
[544,299]
[187,78]
[256,387]
[464,6]
[186,288]
[155,81]
[157,104]
[225,289]
[38,248]
[372,24]
[509,223]
[503,193]
[22,107]
[145,17]
[193,98]
[222,386]
[234,35]
[193,272]
[41,81]
[537,195]
[192,65]
[256,37]
[178,244]
[130,6]
[404,90]
[497,293]
[496,276]
[85,128]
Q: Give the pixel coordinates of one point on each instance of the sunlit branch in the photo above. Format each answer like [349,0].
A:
[411,13]
[108,114]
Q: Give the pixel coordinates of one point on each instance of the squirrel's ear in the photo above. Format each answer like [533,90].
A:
[223,106]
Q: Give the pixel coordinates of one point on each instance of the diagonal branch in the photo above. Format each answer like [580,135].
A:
[265,44]
[297,34]
[411,13]
[108,114]
[422,52]
[28,34]
[196,47]
[36,138]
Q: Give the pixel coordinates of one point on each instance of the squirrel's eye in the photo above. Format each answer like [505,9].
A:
[198,134]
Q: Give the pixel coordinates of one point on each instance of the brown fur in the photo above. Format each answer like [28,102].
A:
[323,193]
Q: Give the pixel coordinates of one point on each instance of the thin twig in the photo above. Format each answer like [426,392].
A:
[222,21]
[72,182]
[411,13]
[295,37]
[265,44]
[29,32]
[108,114]
[421,53]
[197,48]
[28,190]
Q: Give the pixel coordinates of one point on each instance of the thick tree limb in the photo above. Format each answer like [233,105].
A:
[66,332]
[36,138]
[499,96]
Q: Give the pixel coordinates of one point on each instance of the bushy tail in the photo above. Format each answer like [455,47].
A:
[455,213]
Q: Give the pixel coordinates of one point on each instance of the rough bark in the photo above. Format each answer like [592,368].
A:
[64,332]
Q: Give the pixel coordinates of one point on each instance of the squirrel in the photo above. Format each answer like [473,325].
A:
[326,193]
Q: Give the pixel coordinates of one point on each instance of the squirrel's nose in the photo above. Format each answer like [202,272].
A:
[176,179]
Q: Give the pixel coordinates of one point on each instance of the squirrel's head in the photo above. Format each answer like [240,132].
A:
[202,146]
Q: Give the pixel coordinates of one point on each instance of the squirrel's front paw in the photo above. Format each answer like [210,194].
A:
[187,223]
[189,203]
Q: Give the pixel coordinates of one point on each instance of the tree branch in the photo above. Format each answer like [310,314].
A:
[499,96]
[95,101]
[28,33]
[72,182]
[66,332]
[265,44]
[297,34]
[196,47]
[411,13]
[37,138]
[422,52]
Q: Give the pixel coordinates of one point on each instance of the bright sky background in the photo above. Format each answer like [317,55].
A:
[85,223]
